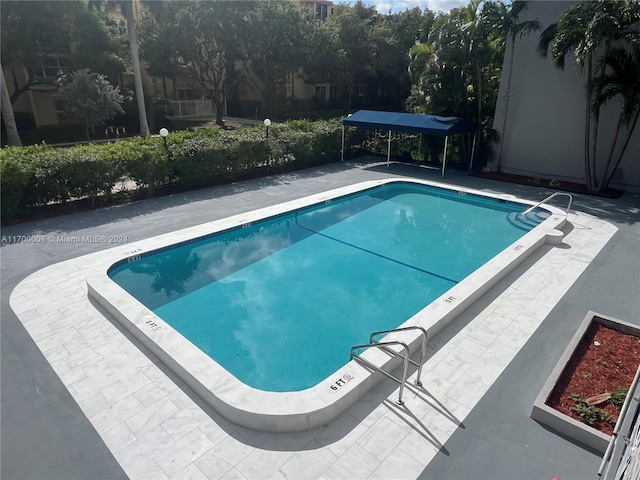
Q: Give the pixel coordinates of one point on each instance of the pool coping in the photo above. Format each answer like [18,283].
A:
[294,411]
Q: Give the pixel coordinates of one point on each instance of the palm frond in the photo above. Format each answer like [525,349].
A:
[546,37]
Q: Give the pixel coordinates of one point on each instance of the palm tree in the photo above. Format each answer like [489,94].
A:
[582,30]
[126,7]
[451,71]
[476,51]
[621,71]
[487,26]
[13,137]
[510,25]
[127,10]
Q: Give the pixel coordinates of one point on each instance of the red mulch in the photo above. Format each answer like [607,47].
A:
[593,370]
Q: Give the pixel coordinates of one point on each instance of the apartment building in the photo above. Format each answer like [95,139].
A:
[39,105]
[544,134]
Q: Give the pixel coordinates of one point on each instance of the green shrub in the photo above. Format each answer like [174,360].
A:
[146,162]
[39,175]
[197,161]
[15,173]
[88,171]
[303,143]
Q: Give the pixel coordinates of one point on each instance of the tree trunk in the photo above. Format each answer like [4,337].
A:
[174,87]
[219,115]
[503,128]
[218,100]
[350,90]
[135,63]
[13,137]
[589,174]
[607,178]
[605,174]
[17,89]
[478,133]
[594,150]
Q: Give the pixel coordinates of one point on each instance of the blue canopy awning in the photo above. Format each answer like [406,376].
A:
[409,122]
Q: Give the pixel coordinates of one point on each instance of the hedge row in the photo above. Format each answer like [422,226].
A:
[40,175]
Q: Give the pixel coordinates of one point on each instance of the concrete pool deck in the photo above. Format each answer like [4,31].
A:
[110,411]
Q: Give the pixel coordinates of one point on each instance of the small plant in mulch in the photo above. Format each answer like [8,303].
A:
[594,383]
[618,397]
[589,411]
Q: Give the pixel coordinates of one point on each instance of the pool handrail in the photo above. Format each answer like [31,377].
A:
[423,348]
[546,199]
[405,367]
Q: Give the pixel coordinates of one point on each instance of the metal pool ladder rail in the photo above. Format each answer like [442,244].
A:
[547,199]
[373,343]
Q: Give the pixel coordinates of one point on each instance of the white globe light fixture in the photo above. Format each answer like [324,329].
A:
[267,124]
[163,133]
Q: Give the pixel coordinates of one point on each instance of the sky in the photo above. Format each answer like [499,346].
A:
[383,6]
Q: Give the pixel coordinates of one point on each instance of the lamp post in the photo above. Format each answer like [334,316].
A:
[163,133]
[267,124]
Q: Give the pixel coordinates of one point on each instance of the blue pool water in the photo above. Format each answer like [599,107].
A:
[280,303]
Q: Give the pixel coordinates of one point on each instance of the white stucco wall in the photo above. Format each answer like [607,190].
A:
[544,133]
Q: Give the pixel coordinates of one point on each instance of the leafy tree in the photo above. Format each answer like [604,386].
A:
[28,38]
[438,85]
[354,53]
[23,35]
[481,53]
[208,41]
[158,37]
[582,30]
[107,7]
[275,45]
[392,39]
[441,69]
[101,44]
[456,71]
[34,32]
[90,98]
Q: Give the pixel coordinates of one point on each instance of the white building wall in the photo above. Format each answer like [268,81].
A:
[544,133]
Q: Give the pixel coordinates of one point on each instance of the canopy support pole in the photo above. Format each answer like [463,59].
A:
[389,149]
[473,151]
[342,149]
[444,157]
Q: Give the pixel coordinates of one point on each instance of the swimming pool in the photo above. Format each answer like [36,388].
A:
[250,403]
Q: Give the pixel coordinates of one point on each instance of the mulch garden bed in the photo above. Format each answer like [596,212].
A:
[549,183]
[605,362]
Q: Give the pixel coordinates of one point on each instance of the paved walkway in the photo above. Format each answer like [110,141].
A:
[155,427]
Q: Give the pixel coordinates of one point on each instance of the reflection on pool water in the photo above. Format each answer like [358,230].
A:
[280,302]
[258,312]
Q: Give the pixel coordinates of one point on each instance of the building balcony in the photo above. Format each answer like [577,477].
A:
[191,108]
